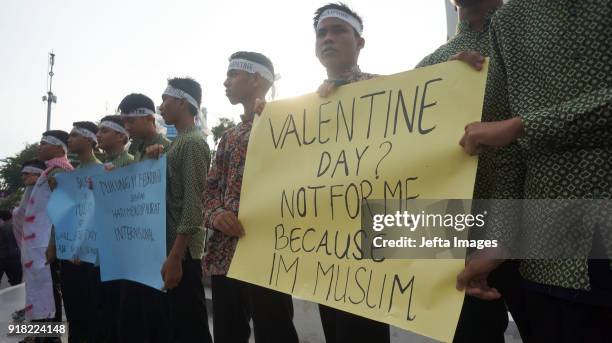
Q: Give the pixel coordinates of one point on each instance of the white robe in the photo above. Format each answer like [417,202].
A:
[40,303]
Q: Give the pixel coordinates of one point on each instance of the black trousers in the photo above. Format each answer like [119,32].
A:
[78,299]
[486,321]
[188,320]
[236,302]
[111,294]
[552,319]
[143,314]
[12,268]
[98,323]
[481,321]
[57,290]
[344,327]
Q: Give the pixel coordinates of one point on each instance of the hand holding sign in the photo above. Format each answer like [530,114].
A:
[154,151]
[479,136]
[228,223]
[473,58]
[313,162]
[260,104]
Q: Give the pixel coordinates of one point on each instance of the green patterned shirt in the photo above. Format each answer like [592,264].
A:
[121,159]
[551,64]
[188,162]
[467,39]
[139,146]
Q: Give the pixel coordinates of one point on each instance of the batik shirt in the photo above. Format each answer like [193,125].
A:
[222,193]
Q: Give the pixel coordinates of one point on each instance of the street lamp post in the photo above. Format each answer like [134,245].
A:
[50,98]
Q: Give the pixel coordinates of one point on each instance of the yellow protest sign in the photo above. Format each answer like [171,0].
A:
[310,163]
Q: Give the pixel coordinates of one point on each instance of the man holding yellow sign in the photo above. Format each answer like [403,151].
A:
[313,161]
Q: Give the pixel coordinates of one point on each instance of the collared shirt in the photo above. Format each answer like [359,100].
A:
[467,39]
[121,159]
[139,146]
[188,162]
[354,75]
[224,183]
[551,65]
[222,193]
[92,161]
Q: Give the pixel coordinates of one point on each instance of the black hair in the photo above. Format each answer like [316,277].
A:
[59,134]
[88,126]
[254,57]
[114,118]
[134,101]
[117,120]
[5,215]
[34,163]
[191,87]
[336,6]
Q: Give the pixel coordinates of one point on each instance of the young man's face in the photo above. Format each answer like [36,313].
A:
[170,109]
[29,179]
[78,144]
[138,127]
[109,138]
[239,85]
[48,151]
[337,44]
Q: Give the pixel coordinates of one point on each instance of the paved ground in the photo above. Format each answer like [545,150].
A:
[306,318]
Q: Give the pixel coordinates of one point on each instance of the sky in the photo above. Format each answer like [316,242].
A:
[106,49]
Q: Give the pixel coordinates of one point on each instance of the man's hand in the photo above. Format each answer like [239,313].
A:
[76,261]
[496,134]
[227,223]
[50,254]
[154,151]
[109,167]
[172,272]
[473,58]
[260,104]
[473,278]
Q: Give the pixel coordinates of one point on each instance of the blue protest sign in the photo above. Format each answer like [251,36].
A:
[71,209]
[131,222]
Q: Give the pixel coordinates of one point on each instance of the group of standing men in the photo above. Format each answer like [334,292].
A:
[546,133]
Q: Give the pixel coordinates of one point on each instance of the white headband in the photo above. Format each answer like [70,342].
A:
[181,94]
[139,112]
[33,170]
[85,133]
[334,13]
[54,141]
[114,126]
[253,67]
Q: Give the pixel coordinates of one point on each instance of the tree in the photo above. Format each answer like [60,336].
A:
[224,124]
[10,171]
[10,175]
